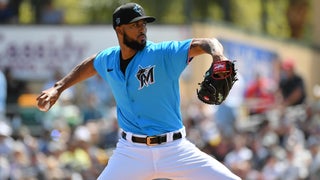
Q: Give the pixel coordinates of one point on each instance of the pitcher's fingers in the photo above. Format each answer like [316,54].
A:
[47,99]
[42,96]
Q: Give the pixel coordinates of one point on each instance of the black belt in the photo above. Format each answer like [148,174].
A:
[152,140]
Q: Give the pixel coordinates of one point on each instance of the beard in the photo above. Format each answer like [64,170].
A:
[135,45]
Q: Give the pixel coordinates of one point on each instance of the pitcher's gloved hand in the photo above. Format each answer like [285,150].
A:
[217,83]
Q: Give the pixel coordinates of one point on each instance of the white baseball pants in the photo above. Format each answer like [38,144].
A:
[176,160]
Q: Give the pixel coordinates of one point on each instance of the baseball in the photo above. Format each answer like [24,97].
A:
[45,108]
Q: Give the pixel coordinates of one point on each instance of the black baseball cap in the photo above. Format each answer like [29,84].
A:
[129,13]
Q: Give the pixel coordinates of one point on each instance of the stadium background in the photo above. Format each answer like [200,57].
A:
[257,34]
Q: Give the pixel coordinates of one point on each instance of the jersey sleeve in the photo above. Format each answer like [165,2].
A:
[104,61]
[98,62]
[176,55]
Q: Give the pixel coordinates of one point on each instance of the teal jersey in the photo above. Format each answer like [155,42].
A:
[148,95]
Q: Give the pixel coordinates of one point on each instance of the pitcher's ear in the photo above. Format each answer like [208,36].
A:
[118,30]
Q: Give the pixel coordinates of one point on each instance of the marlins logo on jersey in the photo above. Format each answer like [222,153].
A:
[145,76]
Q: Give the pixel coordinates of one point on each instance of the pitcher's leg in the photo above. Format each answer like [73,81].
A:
[128,162]
[186,162]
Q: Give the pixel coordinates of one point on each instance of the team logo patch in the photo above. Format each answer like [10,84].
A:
[145,76]
[138,9]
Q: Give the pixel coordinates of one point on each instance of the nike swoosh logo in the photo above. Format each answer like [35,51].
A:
[109,70]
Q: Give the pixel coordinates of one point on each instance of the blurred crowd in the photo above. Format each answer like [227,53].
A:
[263,131]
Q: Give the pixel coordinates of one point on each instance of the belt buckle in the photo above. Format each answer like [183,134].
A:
[148,141]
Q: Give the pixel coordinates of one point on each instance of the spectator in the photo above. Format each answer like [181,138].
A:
[293,136]
[273,168]
[238,160]
[291,85]
[75,158]
[291,169]
[20,162]
[259,95]
[56,172]
[98,157]
[53,163]
[259,154]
